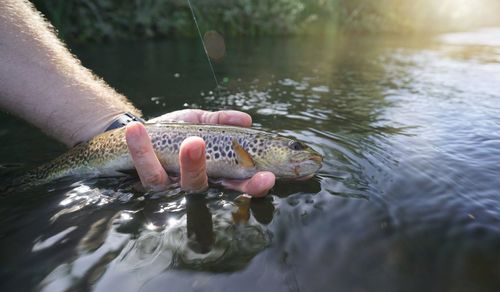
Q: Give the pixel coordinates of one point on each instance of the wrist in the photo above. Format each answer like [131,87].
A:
[104,123]
[122,120]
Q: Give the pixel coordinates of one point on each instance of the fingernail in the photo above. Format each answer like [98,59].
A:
[133,131]
[196,153]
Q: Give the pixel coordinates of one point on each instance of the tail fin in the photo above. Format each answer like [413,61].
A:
[19,183]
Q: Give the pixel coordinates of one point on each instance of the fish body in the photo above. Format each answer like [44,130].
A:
[231,153]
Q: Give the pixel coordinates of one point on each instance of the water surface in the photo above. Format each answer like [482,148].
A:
[407,199]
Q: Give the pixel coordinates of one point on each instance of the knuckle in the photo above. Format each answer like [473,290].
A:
[140,151]
[154,179]
[194,180]
[210,117]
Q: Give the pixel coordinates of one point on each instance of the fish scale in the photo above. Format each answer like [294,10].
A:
[231,152]
[218,143]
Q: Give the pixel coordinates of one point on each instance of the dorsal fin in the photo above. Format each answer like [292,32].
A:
[244,159]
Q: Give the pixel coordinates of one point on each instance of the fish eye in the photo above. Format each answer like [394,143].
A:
[297,146]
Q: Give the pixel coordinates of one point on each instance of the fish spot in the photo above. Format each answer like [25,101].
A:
[216,155]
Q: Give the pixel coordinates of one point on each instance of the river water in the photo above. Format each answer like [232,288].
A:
[407,199]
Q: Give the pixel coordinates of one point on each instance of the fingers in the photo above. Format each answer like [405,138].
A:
[257,186]
[235,118]
[192,154]
[192,165]
[150,171]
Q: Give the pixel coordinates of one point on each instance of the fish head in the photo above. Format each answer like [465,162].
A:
[290,159]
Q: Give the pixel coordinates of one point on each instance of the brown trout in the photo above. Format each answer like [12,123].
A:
[231,153]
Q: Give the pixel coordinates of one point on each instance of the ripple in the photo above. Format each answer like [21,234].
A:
[51,241]
[407,198]
[485,36]
[85,195]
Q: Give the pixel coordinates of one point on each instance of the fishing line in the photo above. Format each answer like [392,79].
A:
[204,47]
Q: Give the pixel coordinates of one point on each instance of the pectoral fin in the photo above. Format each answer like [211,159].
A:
[244,159]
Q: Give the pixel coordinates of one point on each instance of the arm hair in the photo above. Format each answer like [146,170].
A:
[44,84]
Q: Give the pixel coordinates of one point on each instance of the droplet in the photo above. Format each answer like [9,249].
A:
[214,42]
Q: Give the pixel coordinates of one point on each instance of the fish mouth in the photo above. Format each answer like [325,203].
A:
[297,178]
[317,158]
[306,169]
[305,177]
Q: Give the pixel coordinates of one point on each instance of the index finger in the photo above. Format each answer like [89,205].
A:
[148,167]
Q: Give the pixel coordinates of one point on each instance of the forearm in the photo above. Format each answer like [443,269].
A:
[41,82]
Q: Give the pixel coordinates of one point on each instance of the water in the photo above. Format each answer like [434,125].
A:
[407,199]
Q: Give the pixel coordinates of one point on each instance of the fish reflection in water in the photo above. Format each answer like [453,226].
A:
[202,238]
[184,232]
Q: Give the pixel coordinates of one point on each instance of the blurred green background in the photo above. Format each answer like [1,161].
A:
[110,20]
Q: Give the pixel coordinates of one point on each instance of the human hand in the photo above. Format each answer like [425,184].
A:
[192,162]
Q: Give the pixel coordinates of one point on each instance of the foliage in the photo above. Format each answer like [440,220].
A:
[98,20]
[250,17]
[91,20]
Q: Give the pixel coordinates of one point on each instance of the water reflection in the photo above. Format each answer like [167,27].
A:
[195,232]
[200,230]
[406,200]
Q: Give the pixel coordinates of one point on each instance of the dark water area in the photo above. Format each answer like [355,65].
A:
[407,199]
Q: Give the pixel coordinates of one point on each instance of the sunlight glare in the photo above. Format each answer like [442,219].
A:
[462,11]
